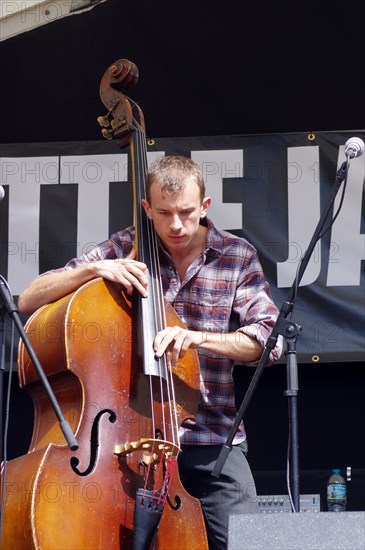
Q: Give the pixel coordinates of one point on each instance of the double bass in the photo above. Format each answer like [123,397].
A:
[121,488]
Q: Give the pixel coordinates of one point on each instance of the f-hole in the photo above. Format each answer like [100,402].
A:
[94,444]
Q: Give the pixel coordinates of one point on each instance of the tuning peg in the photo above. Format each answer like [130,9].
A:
[103,121]
[108,134]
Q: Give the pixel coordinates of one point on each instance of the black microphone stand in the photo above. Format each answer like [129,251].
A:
[2,370]
[290,331]
[10,307]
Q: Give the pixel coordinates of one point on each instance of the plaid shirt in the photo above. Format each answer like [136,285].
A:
[224,290]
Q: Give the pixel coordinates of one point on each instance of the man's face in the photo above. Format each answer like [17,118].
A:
[176,216]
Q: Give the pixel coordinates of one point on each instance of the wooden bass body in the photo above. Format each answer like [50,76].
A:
[57,499]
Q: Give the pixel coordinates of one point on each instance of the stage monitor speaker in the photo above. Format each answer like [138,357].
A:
[298,531]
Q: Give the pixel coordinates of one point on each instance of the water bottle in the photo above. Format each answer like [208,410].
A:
[336,492]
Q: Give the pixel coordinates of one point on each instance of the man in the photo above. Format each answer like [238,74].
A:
[215,283]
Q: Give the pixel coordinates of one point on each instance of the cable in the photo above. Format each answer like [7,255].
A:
[6,428]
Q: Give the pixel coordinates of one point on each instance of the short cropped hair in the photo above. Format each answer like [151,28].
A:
[171,173]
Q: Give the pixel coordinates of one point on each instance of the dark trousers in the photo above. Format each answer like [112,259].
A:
[233,492]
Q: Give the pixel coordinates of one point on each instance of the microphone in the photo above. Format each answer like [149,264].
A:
[354,147]
[2,192]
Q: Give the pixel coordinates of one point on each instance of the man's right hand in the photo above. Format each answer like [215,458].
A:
[127,272]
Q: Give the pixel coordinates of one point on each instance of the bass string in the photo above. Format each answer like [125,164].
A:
[151,257]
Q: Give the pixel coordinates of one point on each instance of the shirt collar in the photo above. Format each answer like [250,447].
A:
[214,239]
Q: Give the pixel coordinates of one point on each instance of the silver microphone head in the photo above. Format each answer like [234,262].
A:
[354,147]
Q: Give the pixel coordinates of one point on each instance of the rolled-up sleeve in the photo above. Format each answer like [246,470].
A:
[255,308]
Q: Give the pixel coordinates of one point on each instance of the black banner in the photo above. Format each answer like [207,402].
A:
[62,198]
